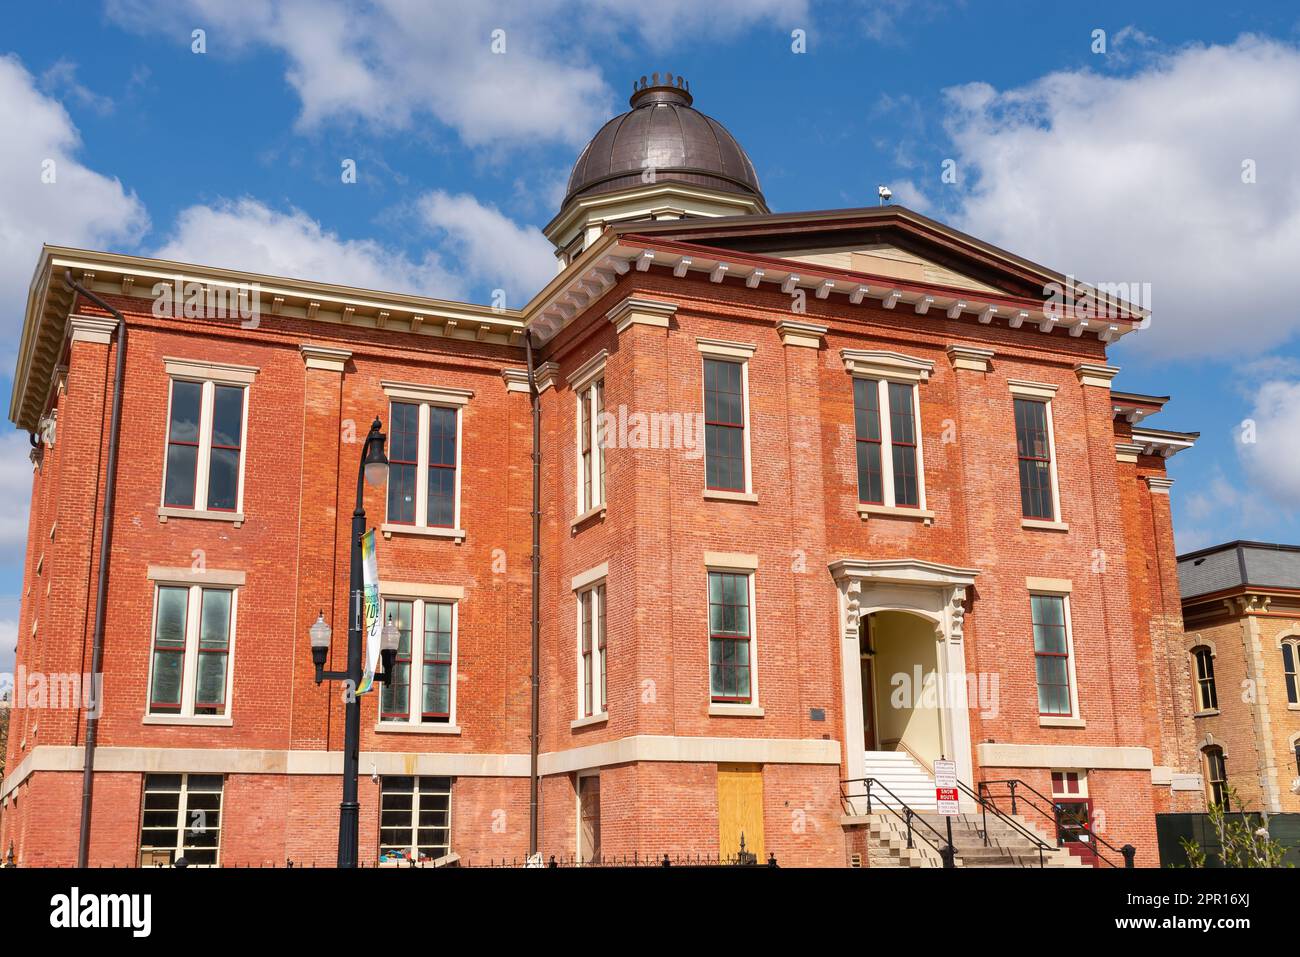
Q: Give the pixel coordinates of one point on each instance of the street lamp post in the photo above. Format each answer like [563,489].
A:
[374,470]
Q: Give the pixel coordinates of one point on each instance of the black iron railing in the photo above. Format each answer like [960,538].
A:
[986,805]
[1021,792]
[941,845]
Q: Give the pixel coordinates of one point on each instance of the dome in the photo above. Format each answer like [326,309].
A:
[663,131]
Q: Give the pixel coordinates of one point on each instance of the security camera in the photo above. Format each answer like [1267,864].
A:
[885,193]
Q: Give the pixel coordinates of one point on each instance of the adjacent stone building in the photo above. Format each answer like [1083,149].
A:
[825,496]
[1241,603]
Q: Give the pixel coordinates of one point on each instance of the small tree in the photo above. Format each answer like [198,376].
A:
[1240,844]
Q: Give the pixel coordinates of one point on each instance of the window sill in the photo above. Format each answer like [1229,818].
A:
[1043,525]
[196,720]
[1061,721]
[165,512]
[1213,712]
[720,710]
[589,721]
[719,495]
[865,511]
[406,727]
[422,530]
[589,514]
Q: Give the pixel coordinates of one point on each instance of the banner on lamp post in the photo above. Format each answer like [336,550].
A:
[372,621]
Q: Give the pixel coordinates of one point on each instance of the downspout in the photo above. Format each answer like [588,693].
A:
[535,623]
[101,585]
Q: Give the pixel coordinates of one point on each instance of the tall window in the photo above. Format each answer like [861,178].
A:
[729,638]
[181,818]
[724,425]
[888,462]
[1290,653]
[421,690]
[190,667]
[205,438]
[1052,654]
[1207,697]
[1216,776]
[423,460]
[1034,452]
[414,818]
[591,446]
[591,649]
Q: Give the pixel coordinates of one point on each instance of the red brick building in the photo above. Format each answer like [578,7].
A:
[824,497]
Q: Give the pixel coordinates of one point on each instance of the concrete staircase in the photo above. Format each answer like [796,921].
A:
[900,773]
[913,786]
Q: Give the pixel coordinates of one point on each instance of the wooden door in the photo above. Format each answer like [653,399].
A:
[740,809]
[588,818]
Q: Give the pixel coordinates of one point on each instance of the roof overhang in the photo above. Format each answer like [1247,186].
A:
[1133,407]
[1162,442]
[620,249]
[43,339]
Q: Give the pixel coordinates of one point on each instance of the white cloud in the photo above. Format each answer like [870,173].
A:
[390,62]
[1138,178]
[8,652]
[80,208]
[247,234]
[1266,442]
[491,248]
[16,489]
[472,247]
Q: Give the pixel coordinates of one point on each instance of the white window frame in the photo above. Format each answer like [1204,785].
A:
[885,367]
[209,375]
[585,381]
[588,582]
[740,353]
[190,665]
[419,597]
[728,564]
[1080,776]
[183,812]
[1064,595]
[1046,394]
[424,397]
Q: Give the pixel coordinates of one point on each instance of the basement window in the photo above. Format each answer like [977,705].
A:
[181,818]
[414,819]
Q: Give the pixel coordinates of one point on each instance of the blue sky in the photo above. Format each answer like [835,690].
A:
[1122,165]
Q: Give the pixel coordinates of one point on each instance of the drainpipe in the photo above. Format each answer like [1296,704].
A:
[101,585]
[535,623]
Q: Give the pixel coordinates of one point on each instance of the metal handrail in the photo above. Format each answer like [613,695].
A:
[987,804]
[947,854]
[1127,852]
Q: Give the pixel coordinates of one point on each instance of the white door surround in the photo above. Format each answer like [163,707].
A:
[931,591]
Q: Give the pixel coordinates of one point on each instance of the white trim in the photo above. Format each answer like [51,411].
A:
[424,398]
[415,674]
[590,370]
[165,512]
[1049,586]
[429,590]
[1064,596]
[208,376]
[883,364]
[97,329]
[426,394]
[202,370]
[590,576]
[1058,756]
[1043,394]
[730,562]
[646,312]
[1091,373]
[806,334]
[691,750]
[736,356]
[885,421]
[751,575]
[970,357]
[725,349]
[1032,390]
[190,656]
[323,357]
[598,591]
[592,378]
[190,576]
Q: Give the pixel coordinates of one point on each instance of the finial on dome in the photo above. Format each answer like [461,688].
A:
[661,88]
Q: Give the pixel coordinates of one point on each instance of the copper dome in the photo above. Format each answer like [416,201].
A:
[662,131]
